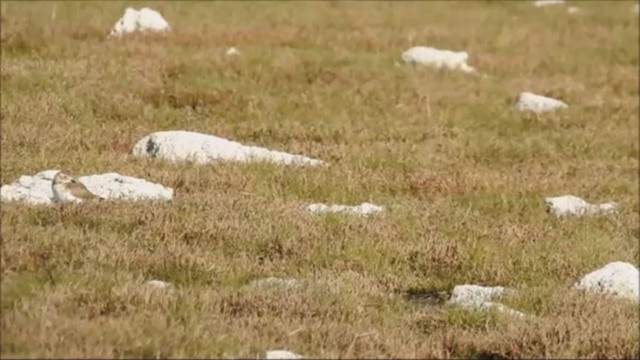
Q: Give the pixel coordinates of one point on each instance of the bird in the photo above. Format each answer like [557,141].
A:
[67,189]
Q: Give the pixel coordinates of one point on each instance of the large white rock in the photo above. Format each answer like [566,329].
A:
[437,58]
[36,189]
[537,103]
[618,278]
[478,297]
[542,3]
[281,354]
[363,209]
[144,19]
[573,205]
[203,148]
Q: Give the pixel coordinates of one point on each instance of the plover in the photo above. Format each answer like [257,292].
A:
[66,189]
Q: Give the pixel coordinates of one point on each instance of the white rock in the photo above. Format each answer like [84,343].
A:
[158,284]
[281,354]
[276,282]
[542,3]
[36,189]
[363,209]
[232,51]
[203,148]
[636,8]
[438,59]
[478,297]
[144,19]
[573,205]
[618,278]
[537,103]
[573,9]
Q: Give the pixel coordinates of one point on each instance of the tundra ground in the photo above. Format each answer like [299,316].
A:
[462,174]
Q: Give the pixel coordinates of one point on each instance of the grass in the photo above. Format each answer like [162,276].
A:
[462,174]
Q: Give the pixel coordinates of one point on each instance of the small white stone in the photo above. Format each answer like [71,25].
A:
[573,9]
[437,58]
[573,205]
[363,209]
[281,354]
[618,278]
[37,189]
[537,103]
[232,51]
[145,19]
[542,3]
[203,148]
[158,284]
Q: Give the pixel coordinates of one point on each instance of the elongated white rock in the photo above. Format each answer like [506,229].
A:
[36,189]
[363,209]
[203,148]
[618,278]
[145,19]
[281,354]
[480,298]
[537,103]
[158,284]
[437,58]
[543,3]
[573,205]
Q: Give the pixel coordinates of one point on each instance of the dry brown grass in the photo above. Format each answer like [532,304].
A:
[462,173]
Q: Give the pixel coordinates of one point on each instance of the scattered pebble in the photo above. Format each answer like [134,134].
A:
[232,51]
[37,189]
[618,278]
[573,205]
[203,148]
[134,20]
[281,354]
[363,209]
[537,103]
[542,3]
[479,298]
[159,284]
[438,59]
[573,9]
[277,282]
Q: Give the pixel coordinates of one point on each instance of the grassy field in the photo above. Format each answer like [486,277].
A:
[462,174]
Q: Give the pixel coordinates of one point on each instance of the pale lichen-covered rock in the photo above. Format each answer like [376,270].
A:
[203,148]
[145,19]
[527,101]
[281,354]
[618,278]
[478,297]
[37,189]
[438,59]
[573,205]
[363,209]
[158,284]
[543,3]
